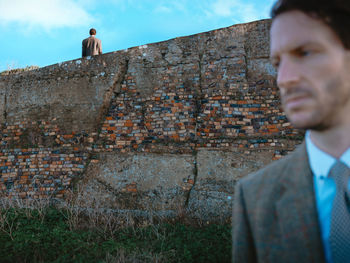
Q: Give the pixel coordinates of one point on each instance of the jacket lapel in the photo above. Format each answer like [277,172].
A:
[296,210]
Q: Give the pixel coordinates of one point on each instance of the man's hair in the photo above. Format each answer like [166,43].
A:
[92,31]
[334,13]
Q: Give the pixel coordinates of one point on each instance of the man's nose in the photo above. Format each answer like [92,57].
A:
[288,73]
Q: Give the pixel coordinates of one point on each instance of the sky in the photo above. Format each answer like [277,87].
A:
[45,32]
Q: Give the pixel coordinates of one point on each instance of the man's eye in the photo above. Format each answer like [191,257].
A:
[304,53]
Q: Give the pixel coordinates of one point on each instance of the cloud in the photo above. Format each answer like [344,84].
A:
[235,8]
[47,14]
[223,7]
[162,9]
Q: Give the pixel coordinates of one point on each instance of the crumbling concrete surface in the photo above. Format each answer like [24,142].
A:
[139,181]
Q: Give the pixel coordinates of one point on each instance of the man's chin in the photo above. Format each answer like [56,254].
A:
[304,122]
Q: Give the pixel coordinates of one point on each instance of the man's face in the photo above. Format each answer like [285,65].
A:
[313,71]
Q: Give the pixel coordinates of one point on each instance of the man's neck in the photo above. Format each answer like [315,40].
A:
[333,141]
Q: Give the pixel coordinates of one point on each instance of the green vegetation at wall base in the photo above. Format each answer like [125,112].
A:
[47,236]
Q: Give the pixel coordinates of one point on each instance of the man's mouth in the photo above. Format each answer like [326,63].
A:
[295,101]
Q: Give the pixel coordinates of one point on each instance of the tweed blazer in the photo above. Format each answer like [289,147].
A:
[275,216]
[91,46]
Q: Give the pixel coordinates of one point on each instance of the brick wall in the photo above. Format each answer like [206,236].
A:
[213,91]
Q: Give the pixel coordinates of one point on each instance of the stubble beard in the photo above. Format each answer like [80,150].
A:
[326,114]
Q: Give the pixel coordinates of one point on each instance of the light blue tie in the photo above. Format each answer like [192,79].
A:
[340,223]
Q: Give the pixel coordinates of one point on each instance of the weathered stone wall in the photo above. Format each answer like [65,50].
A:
[165,126]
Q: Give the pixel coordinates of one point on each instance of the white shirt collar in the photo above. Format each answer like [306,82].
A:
[321,162]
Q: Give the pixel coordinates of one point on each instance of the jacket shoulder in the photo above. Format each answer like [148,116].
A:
[275,170]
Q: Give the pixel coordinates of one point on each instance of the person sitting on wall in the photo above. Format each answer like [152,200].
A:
[92,46]
[298,208]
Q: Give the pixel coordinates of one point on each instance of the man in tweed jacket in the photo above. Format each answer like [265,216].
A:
[282,213]
[91,46]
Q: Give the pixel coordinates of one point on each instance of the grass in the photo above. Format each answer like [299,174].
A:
[50,234]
